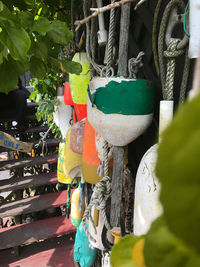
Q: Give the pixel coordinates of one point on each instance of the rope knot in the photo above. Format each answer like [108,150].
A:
[172,50]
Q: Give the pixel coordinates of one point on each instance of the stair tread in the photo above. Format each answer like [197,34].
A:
[21,163]
[16,183]
[32,204]
[35,231]
[42,128]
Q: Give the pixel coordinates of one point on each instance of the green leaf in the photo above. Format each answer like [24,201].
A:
[121,254]
[16,39]
[41,50]
[1,6]
[9,72]
[162,248]
[178,169]
[26,19]
[42,26]
[60,32]
[71,66]
[37,68]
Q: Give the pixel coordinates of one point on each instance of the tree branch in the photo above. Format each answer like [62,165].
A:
[97,11]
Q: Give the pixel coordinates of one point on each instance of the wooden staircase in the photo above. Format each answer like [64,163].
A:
[26,233]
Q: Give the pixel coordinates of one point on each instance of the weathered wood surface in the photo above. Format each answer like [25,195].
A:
[21,163]
[17,183]
[35,231]
[116,194]
[30,130]
[36,203]
[10,117]
[123,43]
[50,142]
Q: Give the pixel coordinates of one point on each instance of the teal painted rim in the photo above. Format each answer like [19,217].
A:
[134,97]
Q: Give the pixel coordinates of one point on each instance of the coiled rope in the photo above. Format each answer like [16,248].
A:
[171,53]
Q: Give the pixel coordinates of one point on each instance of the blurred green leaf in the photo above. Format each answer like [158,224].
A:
[37,68]
[60,32]
[162,248]
[26,19]
[41,50]
[178,169]
[71,66]
[121,254]
[9,72]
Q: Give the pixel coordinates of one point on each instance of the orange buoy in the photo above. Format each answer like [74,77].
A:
[90,160]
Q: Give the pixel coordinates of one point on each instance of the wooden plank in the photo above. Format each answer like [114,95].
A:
[17,183]
[30,130]
[35,231]
[50,142]
[36,203]
[21,163]
[116,194]
[123,43]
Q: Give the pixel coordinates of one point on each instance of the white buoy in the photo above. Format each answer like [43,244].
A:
[62,116]
[147,206]
[194,26]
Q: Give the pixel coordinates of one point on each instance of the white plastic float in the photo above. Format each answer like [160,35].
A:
[120,109]
[147,206]
[62,115]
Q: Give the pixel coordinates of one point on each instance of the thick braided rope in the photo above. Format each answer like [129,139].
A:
[110,40]
[101,192]
[171,53]
[161,38]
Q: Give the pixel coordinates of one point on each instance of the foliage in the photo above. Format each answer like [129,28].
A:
[178,169]
[31,33]
[173,240]
[45,95]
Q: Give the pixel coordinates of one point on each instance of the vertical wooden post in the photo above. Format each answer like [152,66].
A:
[118,152]
[123,42]
[116,194]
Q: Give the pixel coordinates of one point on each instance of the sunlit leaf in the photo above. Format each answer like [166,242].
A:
[178,169]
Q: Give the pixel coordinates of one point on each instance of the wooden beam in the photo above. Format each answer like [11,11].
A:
[32,204]
[116,194]
[17,183]
[123,43]
[21,163]
[35,231]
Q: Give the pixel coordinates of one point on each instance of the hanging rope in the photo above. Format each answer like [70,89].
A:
[171,53]
[99,196]
[110,40]
[92,62]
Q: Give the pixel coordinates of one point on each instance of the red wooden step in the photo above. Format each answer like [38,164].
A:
[21,163]
[36,203]
[35,231]
[16,183]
